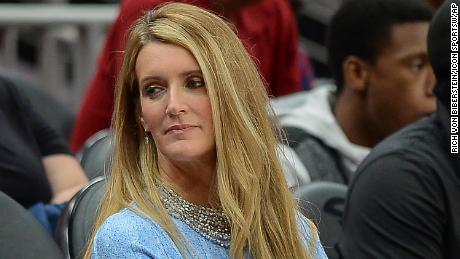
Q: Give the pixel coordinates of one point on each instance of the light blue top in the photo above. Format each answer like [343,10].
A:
[126,234]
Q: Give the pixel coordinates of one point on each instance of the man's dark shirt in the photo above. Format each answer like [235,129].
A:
[24,140]
[404,200]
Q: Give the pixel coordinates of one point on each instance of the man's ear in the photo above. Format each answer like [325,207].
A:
[355,73]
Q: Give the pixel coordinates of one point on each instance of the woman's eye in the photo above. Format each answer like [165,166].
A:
[153,91]
[195,83]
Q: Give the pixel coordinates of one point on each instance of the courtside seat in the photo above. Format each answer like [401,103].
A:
[77,219]
[324,203]
[21,236]
[96,155]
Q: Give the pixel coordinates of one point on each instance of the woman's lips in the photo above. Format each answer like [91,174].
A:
[179,128]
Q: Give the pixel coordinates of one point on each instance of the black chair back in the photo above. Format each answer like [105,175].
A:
[78,217]
[324,203]
[96,155]
[21,236]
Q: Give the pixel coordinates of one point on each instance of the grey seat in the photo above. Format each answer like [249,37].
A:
[96,155]
[324,203]
[21,236]
[77,219]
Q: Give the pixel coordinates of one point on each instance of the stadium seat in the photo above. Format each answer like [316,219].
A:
[21,236]
[95,157]
[324,203]
[77,219]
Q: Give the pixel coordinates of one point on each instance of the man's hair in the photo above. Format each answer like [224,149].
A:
[362,28]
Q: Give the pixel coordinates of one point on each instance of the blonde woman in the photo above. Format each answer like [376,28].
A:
[195,170]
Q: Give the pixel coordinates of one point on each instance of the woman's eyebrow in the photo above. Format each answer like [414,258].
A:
[186,73]
[148,78]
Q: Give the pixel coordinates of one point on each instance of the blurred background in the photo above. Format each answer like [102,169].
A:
[55,43]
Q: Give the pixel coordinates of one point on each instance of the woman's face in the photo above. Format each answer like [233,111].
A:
[175,106]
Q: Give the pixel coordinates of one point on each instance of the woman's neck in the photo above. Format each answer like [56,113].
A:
[191,180]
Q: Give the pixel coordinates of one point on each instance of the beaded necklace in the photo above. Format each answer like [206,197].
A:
[211,223]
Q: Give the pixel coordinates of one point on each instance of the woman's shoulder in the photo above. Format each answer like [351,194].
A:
[309,235]
[305,225]
[128,233]
[127,222]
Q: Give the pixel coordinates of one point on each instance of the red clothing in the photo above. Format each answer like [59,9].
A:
[268,29]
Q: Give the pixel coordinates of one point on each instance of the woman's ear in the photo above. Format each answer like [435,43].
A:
[144,125]
[140,118]
[355,73]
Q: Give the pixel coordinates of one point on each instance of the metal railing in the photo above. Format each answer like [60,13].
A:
[67,39]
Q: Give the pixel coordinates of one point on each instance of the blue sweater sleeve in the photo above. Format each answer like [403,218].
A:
[308,235]
[128,235]
[123,235]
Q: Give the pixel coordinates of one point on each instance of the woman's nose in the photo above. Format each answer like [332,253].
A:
[176,102]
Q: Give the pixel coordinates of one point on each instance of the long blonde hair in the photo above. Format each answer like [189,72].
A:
[249,181]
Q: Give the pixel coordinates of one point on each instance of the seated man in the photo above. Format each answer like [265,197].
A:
[403,201]
[378,57]
[35,163]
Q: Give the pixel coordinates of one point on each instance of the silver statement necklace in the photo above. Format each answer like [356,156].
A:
[212,224]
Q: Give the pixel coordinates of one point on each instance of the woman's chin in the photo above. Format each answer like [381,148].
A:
[183,151]
[182,154]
